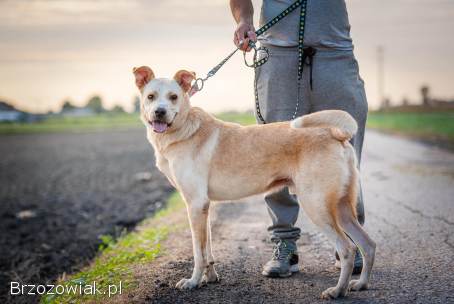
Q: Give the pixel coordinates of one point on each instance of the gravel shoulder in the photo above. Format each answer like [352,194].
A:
[409,212]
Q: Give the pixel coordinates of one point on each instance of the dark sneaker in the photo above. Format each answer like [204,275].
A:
[357,266]
[284,261]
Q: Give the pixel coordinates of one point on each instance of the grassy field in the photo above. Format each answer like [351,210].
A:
[74,124]
[435,125]
[116,258]
[424,125]
[241,118]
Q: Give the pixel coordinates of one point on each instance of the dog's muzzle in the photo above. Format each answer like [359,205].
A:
[159,123]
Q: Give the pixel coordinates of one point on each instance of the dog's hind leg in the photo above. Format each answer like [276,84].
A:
[362,240]
[198,215]
[346,250]
[321,210]
[210,274]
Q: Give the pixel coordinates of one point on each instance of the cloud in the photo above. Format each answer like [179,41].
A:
[48,13]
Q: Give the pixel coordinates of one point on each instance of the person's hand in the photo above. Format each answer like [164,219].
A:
[244,33]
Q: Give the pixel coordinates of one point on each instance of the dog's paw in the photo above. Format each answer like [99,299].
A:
[357,285]
[332,293]
[186,284]
[210,276]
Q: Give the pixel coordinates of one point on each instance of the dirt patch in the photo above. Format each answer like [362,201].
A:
[60,192]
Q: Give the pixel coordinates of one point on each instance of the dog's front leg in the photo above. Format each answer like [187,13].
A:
[198,214]
[210,275]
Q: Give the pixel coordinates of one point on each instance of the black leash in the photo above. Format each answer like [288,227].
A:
[303,54]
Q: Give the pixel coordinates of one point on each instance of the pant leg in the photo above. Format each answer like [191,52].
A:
[277,91]
[337,85]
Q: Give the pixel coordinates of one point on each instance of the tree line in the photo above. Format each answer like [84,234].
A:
[95,104]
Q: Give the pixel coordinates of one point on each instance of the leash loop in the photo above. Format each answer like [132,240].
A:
[255,62]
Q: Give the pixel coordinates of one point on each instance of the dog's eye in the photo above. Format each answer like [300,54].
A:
[173,97]
[150,96]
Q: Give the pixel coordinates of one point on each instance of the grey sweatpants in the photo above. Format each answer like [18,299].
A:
[336,85]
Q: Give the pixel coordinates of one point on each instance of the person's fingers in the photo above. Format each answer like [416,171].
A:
[239,36]
[242,36]
[245,45]
[251,34]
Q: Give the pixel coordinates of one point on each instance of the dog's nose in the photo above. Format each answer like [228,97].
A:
[160,112]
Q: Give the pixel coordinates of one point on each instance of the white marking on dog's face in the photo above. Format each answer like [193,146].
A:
[160,103]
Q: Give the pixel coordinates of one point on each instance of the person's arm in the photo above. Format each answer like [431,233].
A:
[243,12]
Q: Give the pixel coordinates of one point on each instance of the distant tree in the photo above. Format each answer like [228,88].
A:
[405,101]
[118,109]
[386,103]
[95,104]
[425,95]
[137,104]
[67,105]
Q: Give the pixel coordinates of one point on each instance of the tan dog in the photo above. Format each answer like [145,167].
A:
[207,159]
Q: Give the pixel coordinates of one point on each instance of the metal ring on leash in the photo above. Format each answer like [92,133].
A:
[197,86]
[201,82]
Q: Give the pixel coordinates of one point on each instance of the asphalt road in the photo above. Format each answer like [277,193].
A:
[409,200]
[60,192]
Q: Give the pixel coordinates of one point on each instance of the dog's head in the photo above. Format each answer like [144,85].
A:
[164,102]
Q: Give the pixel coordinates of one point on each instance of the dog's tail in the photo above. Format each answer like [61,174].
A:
[343,126]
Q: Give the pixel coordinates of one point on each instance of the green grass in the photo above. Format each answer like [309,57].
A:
[241,118]
[74,124]
[435,125]
[116,257]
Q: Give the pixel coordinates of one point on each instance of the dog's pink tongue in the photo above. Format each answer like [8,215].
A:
[159,127]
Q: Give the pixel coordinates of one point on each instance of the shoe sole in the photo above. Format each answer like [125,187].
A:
[293,269]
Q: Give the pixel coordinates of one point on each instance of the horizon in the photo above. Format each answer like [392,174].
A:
[49,53]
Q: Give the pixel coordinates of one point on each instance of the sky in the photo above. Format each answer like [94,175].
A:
[56,50]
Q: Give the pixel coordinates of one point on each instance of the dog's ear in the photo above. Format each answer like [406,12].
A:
[184,79]
[143,75]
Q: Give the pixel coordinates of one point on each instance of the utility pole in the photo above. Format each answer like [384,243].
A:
[381,76]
